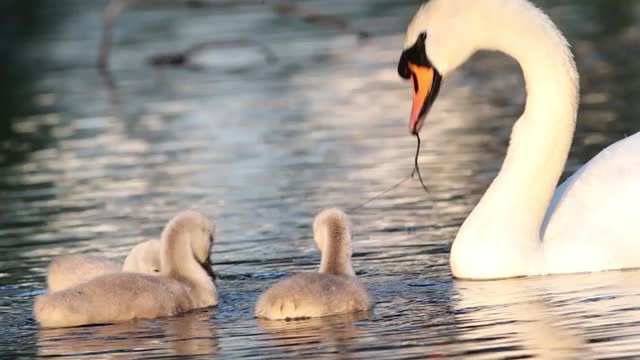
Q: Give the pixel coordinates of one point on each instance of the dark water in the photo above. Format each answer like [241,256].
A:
[96,165]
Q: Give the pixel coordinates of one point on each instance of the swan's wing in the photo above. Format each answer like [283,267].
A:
[592,222]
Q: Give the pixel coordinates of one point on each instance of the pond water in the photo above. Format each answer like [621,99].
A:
[94,164]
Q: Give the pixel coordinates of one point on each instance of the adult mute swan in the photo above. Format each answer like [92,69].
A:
[521,226]
[185,283]
[333,290]
[70,270]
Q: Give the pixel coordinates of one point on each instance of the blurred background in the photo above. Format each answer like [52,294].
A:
[260,113]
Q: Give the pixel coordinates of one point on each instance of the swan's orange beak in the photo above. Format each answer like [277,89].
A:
[426,84]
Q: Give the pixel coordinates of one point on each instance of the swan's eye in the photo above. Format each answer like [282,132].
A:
[156,270]
[415,55]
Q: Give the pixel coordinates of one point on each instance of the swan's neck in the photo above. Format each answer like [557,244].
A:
[336,253]
[178,260]
[501,237]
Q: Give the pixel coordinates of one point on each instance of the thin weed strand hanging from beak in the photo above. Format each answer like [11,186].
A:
[416,168]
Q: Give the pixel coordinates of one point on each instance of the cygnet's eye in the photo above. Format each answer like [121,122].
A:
[156,270]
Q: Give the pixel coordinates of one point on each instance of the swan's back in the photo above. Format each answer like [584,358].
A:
[313,295]
[113,298]
[592,223]
[70,270]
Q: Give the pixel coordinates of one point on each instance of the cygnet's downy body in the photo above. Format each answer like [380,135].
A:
[71,270]
[333,290]
[185,283]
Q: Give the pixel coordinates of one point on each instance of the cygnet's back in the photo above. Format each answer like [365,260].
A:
[332,290]
[184,283]
[70,270]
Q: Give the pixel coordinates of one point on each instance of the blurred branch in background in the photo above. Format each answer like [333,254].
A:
[116,8]
[283,8]
[181,58]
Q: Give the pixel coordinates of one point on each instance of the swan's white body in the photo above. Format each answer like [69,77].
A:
[333,290]
[517,229]
[71,270]
[184,283]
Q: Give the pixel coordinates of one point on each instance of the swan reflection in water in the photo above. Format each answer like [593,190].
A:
[549,317]
[188,334]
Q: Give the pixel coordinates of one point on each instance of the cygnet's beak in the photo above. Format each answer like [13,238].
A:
[207,267]
[426,85]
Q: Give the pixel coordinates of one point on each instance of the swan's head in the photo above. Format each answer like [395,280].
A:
[330,225]
[200,232]
[439,38]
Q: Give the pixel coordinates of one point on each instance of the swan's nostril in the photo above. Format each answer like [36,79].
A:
[416,86]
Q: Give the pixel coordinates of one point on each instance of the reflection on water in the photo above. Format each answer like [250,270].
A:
[336,334]
[186,335]
[94,165]
[582,316]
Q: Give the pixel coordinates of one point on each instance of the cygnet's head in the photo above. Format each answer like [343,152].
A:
[144,258]
[200,232]
[331,224]
[332,233]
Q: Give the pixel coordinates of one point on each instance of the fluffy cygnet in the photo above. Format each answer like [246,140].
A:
[144,258]
[333,290]
[70,270]
[184,284]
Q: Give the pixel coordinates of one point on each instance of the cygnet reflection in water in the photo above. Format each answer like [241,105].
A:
[339,332]
[188,334]
[185,283]
[71,270]
[333,290]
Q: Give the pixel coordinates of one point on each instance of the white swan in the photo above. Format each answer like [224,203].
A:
[70,270]
[333,290]
[185,283]
[520,227]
